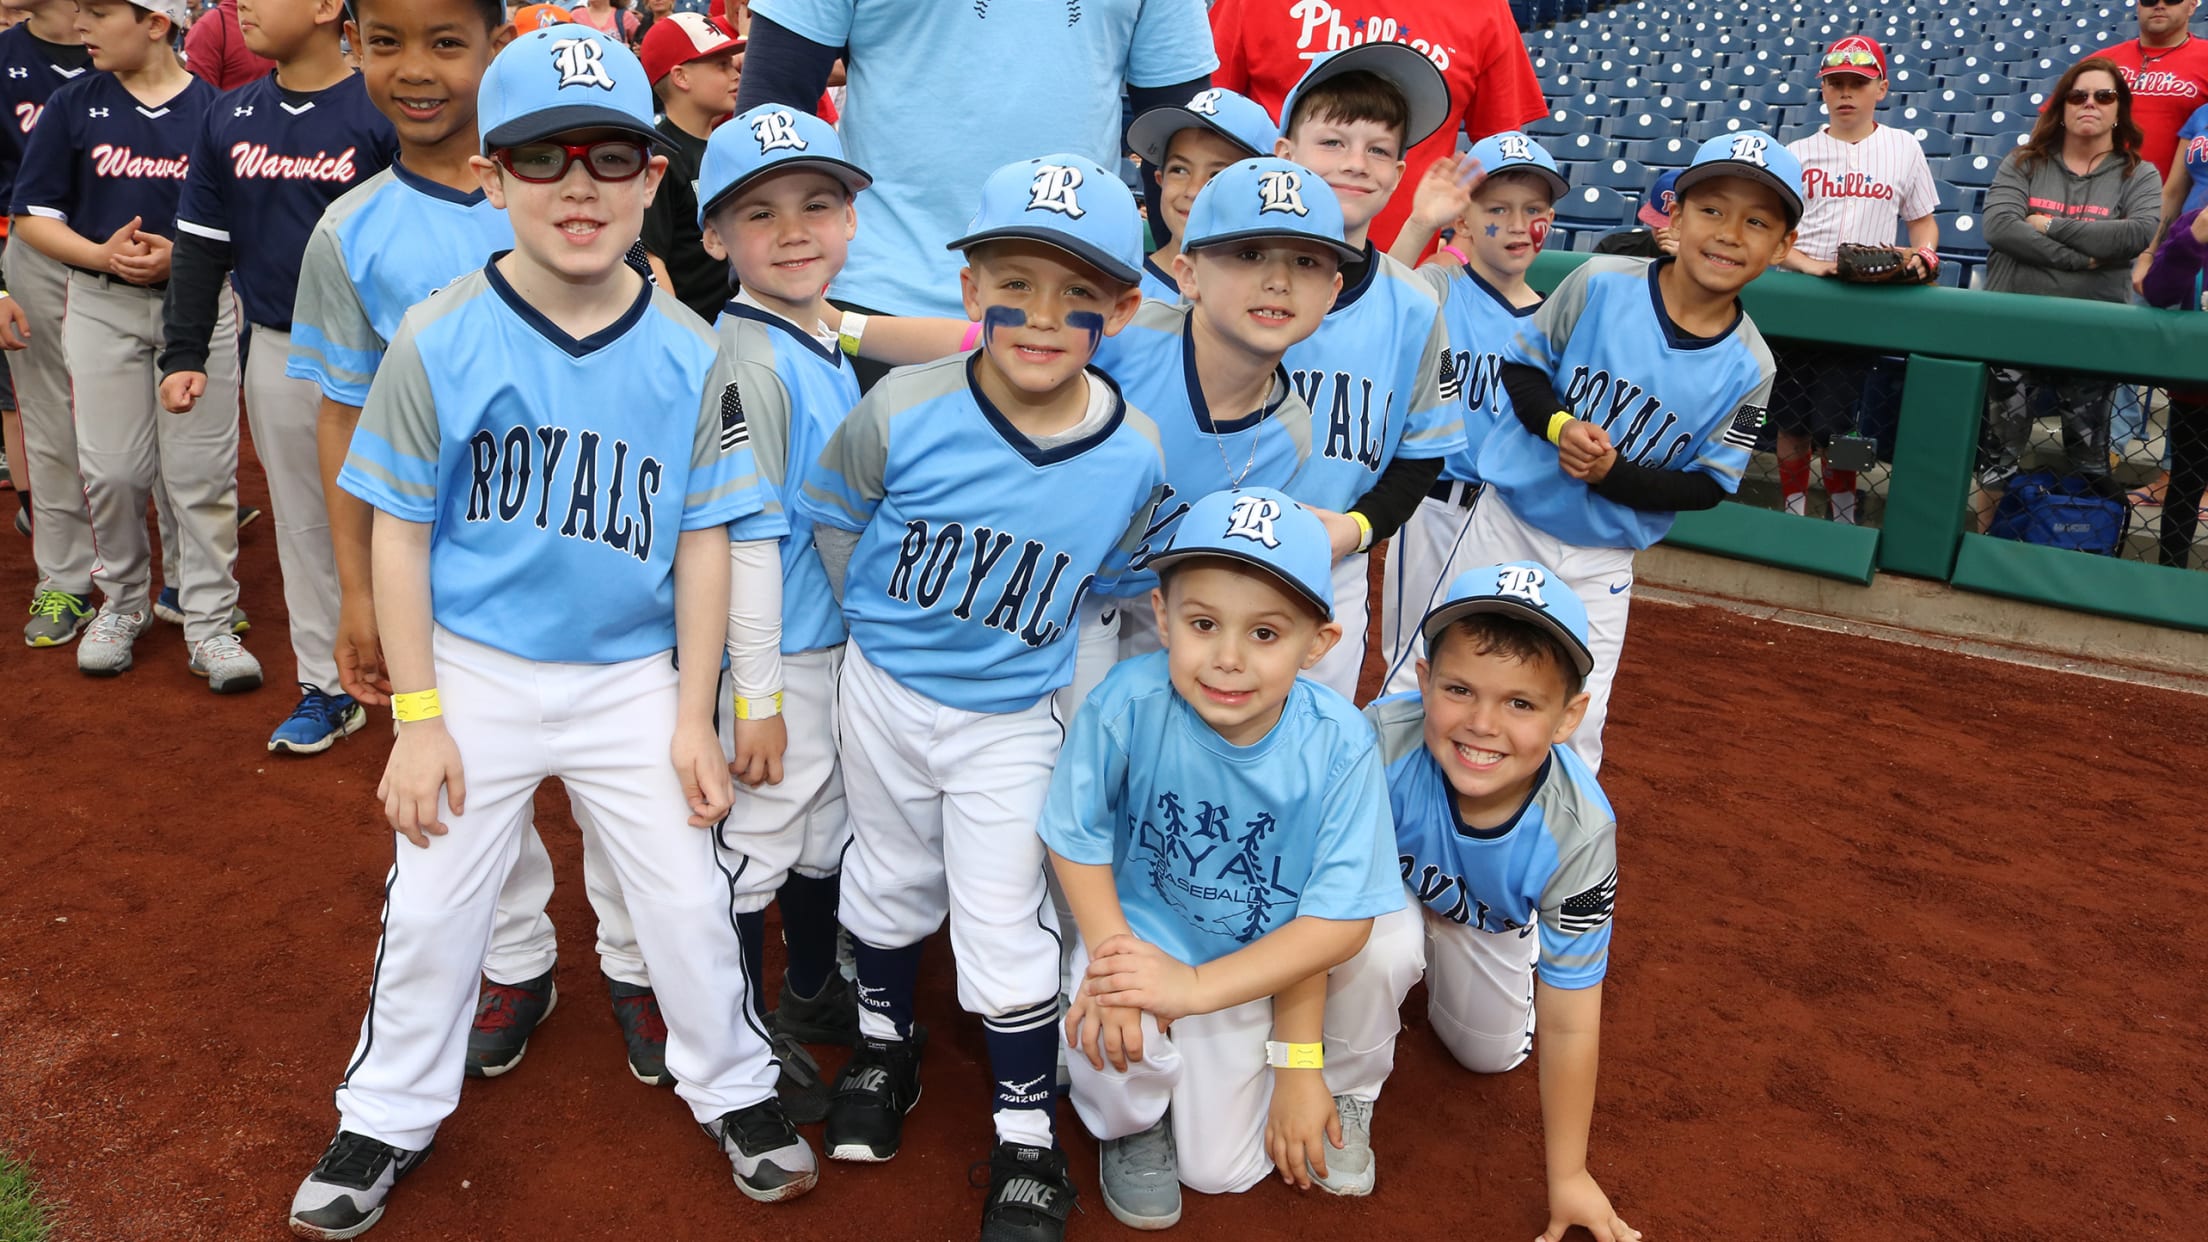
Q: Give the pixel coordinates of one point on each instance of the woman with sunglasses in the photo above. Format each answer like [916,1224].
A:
[2067,214]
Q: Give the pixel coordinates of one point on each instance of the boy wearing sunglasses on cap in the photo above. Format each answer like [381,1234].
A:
[551,545]
[1857,177]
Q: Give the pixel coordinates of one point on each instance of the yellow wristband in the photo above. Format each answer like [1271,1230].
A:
[759,709]
[420,705]
[852,331]
[1294,1056]
[1556,426]
[1364,530]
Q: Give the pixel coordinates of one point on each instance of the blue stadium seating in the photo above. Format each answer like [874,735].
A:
[1589,210]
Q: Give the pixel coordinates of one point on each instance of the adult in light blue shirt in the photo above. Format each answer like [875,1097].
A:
[943,94]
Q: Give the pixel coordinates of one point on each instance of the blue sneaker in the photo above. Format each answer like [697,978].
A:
[165,607]
[317,723]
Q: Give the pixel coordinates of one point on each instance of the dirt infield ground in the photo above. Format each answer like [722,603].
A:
[1906,948]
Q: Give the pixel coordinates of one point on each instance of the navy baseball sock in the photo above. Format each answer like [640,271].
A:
[751,929]
[887,978]
[809,929]
[1023,1057]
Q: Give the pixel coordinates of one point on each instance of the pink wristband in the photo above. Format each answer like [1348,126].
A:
[973,334]
[1457,254]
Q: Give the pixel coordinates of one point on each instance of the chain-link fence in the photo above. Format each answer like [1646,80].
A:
[1828,444]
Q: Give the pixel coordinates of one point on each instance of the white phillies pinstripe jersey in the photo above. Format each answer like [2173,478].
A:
[1855,191]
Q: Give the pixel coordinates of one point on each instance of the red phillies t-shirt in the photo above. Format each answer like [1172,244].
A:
[2167,86]
[1265,46]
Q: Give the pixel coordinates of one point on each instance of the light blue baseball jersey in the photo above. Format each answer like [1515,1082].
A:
[1157,283]
[1480,321]
[1669,401]
[794,391]
[975,545]
[1061,67]
[556,472]
[1372,376]
[1153,361]
[1214,845]
[388,243]
[1554,865]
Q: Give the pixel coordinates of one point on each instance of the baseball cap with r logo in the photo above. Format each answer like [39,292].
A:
[1262,528]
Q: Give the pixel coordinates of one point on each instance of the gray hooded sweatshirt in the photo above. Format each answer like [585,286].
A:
[2102,221]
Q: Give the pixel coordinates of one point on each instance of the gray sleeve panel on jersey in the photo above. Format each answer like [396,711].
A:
[835,546]
[747,357]
[1130,541]
[1580,894]
[1434,278]
[1429,395]
[1160,317]
[402,411]
[1543,340]
[331,333]
[859,451]
[1401,724]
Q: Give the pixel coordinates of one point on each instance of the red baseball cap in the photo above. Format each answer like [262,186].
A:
[1857,54]
[680,38]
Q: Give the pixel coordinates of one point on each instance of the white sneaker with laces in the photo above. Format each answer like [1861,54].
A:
[1349,1170]
[104,651]
[228,667]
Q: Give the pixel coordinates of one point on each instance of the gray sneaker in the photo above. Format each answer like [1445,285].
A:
[1142,1177]
[228,667]
[56,618]
[1349,1170]
[104,651]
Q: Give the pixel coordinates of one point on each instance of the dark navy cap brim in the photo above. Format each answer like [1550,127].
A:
[853,177]
[538,126]
[1115,268]
[1153,131]
[1173,556]
[1342,250]
[1439,619]
[1700,173]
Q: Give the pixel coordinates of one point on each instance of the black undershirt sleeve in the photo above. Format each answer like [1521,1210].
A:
[197,267]
[784,67]
[1395,494]
[1532,398]
[1659,491]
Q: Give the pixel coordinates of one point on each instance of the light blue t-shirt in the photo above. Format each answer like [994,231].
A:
[389,242]
[2192,151]
[1153,360]
[975,544]
[1214,845]
[1372,376]
[945,92]
[556,473]
[1480,322]
[1669,400]
[793,391]
[1554,866]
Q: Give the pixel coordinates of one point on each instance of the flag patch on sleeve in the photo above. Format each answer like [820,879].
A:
[1589,910]
[1741,432]
[1452,383]
[734,434]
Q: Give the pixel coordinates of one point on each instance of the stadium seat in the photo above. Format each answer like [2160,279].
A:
[1622,175]
[1674,152]
[1559,123]
[1990,121]
[1638,125]
[1962,243]
[1938,144]
[1588,210]
[1970,171]
[1582,148]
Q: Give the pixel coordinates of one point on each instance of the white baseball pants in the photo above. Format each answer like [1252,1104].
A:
[1479,998]
[61,529]
[281,413]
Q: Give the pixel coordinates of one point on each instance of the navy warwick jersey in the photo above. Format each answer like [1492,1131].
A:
[100,157]
[31,70]
[268,161]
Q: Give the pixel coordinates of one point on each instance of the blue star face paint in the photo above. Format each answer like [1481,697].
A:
[1492,229]
[1087,321]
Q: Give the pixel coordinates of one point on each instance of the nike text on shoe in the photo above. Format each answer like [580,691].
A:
[771,1160]
[343,1197]
[878,1086]
[1350,1171]
[228,667]
[1141,1176]
[104,651]
[506,1014]
[57,617]
[643,1030]
[317,723]
[1030,1194]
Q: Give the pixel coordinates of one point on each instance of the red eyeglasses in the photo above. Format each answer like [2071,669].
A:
[541,162]
[2103,96]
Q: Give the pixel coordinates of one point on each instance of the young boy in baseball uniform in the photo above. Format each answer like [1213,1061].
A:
[98,192]
[553,565]
[963,510]
[1188,144]
[1858,177]
[1219,827]
[382,247]
[42,53]
[1509,849]
[1501,222]
[273,154]
[1375,373]
[1638,388]
[776,212]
